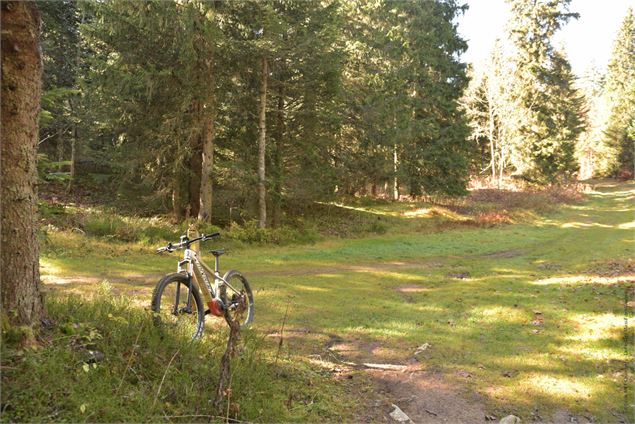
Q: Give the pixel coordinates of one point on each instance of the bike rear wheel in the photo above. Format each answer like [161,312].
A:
[177,306]
[238,298]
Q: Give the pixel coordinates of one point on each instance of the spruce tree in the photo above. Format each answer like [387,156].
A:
[154,71]
[543,91]
[620,97]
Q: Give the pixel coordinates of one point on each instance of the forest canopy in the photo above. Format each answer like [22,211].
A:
[199,108]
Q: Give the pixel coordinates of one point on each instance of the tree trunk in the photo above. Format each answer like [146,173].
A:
[21,89]
[60,150]
[73,109]
[207,163]
[176,198]
[491,139]
[277,162]
[395,182]
[196,164]
[262,128]
[179,191]
[501,161]
[71,179]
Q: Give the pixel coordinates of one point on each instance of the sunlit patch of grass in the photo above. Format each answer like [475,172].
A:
[417,213]
[558,387]
[627,225]
[583,279]
[584,225]
[498,313]
[593,327]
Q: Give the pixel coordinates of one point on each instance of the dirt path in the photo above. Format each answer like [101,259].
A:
[423,394]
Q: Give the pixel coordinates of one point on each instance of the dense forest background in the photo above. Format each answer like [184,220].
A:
[251,111]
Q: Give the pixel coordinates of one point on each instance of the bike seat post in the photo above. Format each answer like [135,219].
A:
[216,260]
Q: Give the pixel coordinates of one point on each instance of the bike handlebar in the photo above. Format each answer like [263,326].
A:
[185,242]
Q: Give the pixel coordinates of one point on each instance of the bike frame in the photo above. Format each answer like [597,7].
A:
[198,271]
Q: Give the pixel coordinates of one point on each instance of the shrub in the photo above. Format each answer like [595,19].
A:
[250,232]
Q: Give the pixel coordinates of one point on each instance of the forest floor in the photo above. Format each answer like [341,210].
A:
[469,324]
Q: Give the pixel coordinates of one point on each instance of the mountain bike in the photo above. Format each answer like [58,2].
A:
[177,302]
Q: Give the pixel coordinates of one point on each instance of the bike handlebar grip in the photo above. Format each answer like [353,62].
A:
[167,248]
[209,236]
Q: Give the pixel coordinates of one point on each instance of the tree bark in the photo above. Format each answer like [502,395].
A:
[207,163]
[71,179]
[223,389]
[277,161]
[179,192]
[21,88]
[395,181]
[73,109]
[262,128]
[491,137]
[196,163]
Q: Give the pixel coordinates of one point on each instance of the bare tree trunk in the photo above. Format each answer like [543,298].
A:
[73,109]
[277,161]
[178,192]
[223,389]
[73,149]
[21,88]
[262,128]
[196,163]
[491,139]
[207,163]
[176,207]
[501,162]
[60,150]
[395,182]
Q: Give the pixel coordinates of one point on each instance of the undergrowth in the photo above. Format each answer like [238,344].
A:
[355,217]
[103,360]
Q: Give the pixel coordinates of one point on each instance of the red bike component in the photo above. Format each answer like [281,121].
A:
[216,307]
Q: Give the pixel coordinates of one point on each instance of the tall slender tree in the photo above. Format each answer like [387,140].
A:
[21,89]
[262,144]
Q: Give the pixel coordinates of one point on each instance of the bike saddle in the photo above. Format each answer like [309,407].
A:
[217,252]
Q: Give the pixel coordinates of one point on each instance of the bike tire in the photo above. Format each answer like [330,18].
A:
[189,321]
[239,282]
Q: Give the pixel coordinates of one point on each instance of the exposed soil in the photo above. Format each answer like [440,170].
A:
[422,393]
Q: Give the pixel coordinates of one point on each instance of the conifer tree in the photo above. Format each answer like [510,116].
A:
[620,98]
[544,92]
[155,63]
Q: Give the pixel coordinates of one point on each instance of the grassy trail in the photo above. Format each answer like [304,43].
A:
[525,319]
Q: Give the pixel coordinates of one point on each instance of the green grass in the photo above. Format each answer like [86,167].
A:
[54,380]
[533,312]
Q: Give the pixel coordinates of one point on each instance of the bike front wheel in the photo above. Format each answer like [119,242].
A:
[238,298]
[177,306]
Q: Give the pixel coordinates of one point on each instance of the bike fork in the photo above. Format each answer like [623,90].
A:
[188,307]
